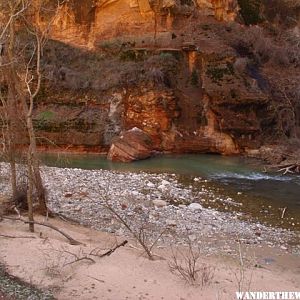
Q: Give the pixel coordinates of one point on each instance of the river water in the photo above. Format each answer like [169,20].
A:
[269,198]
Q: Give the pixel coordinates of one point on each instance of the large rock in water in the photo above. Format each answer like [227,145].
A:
[133,144]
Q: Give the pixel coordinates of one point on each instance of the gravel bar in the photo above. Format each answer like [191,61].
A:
[155,202]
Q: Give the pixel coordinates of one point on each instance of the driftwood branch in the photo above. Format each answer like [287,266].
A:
[99,280]
[283,212]
[287,168]
[69,238]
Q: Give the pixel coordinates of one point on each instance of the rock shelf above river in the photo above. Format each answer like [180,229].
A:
[156,201]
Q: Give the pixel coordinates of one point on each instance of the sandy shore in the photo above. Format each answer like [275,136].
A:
[127,273]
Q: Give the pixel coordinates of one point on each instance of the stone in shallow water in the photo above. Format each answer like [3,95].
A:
[195,206]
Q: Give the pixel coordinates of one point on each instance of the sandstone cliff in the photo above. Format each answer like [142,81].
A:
[182,71]
[88,23]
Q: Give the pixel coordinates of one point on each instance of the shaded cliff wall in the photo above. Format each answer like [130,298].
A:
[186,100]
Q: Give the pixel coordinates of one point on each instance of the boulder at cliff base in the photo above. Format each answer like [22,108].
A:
[131,145]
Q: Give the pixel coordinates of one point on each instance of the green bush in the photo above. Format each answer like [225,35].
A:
[46,115]
[217,73]
[128,55]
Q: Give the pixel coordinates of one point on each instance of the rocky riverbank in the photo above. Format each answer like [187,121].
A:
[156,202]
[12,288]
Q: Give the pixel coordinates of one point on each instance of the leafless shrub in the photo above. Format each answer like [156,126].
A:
[138,224]
[283,13]
[243,39]
[3,206]
[71,79]
[293,52]
[163,61]
[20,197]
[130,73]
[142,230]
[111,47]
[56,259]
[280,56]
[255,43]
[187,266]
[243,276]
[155,75]
[286,95]
[262,48]
[293,37]
[240,65]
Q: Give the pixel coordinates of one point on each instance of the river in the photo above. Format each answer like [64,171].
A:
[272,199]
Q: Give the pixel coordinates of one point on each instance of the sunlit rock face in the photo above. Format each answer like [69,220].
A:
[87,23]
[223,10]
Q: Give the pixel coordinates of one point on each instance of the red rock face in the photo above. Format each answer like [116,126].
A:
[186,118]
[153,111]
[201,105]
[132,145]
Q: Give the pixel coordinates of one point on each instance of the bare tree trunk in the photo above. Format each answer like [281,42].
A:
[13,176]
[28,108]
[34,165]
[11,106]
[24,83]
[30,191]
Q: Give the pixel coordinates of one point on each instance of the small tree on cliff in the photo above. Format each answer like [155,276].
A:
[22,39]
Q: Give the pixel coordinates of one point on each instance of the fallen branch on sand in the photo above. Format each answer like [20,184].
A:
[87,256]
[17,237]
[69,238]
[110,251]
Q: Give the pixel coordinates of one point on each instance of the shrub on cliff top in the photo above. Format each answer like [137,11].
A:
[250,11]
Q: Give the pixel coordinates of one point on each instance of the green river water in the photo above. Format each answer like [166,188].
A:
[263,196]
